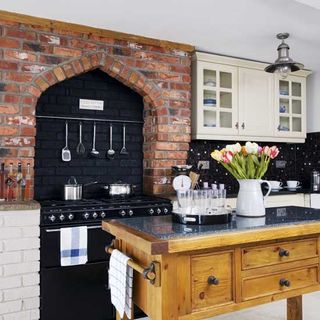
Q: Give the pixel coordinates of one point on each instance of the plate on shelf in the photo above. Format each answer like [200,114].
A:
[284,92]
[209,102]
[210,125]
[210,83]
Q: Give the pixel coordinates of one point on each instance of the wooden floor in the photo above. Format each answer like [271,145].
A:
[275,310]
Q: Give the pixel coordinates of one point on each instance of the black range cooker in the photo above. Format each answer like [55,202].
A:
[81,292]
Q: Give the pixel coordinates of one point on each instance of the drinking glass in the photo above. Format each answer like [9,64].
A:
[185,201]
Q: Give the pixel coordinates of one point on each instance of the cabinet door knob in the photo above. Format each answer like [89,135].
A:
[243,125]
[213,280]
[237,125]
[284,282]
[284,252]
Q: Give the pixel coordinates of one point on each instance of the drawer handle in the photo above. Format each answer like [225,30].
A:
[284,282]
[284,253]
[213,280]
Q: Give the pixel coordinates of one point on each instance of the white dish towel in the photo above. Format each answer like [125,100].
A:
[120,283]
[73,246]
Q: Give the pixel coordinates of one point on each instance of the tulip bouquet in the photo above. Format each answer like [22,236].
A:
[250,161]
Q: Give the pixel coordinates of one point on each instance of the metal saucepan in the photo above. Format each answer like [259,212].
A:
[73,190]
[119,189]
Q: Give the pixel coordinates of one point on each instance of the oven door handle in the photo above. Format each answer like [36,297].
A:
[58,230]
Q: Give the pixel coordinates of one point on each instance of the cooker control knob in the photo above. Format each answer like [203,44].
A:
[70,216]
[62,217]
[95,215]
[102,214]
[86,215]
[122,213]
[151,211]
[130,212]
[158,211]
[52,218]
[165,210]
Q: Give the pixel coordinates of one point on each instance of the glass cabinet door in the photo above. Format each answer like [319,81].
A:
[217,110]
[290,95]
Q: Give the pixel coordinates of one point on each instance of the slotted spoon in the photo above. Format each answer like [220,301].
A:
[124,150]
[65,152]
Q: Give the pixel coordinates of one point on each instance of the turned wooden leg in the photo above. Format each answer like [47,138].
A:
[294,308]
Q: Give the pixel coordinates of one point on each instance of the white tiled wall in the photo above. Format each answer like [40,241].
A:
[19,265]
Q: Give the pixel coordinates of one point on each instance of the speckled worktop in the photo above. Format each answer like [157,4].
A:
[162,227]
[19,205]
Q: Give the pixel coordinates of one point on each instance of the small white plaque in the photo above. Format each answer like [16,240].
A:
[88,104]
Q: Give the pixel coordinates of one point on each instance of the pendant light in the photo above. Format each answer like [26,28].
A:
[284,64]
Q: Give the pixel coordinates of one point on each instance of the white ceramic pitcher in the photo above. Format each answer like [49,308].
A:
[250,201]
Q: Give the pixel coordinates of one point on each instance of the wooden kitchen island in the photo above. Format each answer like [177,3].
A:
[203,271]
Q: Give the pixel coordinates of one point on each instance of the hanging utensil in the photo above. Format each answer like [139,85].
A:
[110,152]
[65,152]
[80,147]
[94,152]
[124,150]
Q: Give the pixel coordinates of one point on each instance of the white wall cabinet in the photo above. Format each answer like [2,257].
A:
[255,98]
[235,99]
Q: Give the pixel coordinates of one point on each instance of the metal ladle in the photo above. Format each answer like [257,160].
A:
[110,152]
[95,153]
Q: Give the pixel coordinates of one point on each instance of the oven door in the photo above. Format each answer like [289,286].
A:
[75,292]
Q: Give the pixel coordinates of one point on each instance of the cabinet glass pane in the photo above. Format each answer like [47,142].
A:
[209,78]
[284,106]
[296,106]
[284,88]
[225,80]
[225,119]
[225,99]
[296,89]
[284,124]
[209,98]
[296,124]
[209,118]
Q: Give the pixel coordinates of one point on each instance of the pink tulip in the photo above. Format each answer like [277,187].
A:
[274,151]
[227,157]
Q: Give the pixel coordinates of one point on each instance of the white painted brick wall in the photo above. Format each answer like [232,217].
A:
[19,265]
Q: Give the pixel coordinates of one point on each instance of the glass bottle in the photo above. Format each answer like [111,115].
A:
[19,178]
[27,192]
[2,183]
[11,184]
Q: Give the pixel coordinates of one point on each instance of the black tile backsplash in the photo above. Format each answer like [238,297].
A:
[300,160]
[62,99]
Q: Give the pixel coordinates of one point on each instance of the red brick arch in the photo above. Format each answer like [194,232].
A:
[98,60]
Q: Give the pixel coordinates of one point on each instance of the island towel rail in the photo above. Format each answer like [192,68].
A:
[151,273]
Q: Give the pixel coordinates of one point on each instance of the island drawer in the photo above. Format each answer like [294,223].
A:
[212,279]
[260,256]
[280,282]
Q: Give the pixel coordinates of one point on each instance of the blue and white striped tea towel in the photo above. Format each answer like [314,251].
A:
[73,246]
[120,283]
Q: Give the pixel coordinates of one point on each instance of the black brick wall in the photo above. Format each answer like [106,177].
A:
[120,102]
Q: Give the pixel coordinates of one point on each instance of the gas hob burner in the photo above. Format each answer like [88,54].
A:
[88,211]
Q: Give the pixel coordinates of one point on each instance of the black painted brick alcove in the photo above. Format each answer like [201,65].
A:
[62,99]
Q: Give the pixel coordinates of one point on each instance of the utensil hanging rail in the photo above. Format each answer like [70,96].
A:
[151,273]
[90,119]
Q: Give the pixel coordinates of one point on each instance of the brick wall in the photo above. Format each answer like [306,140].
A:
[19,264]
[33,58]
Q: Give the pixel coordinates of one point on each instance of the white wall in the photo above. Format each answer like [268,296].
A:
[313,102]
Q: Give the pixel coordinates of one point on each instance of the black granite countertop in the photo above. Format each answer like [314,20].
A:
[162,227]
